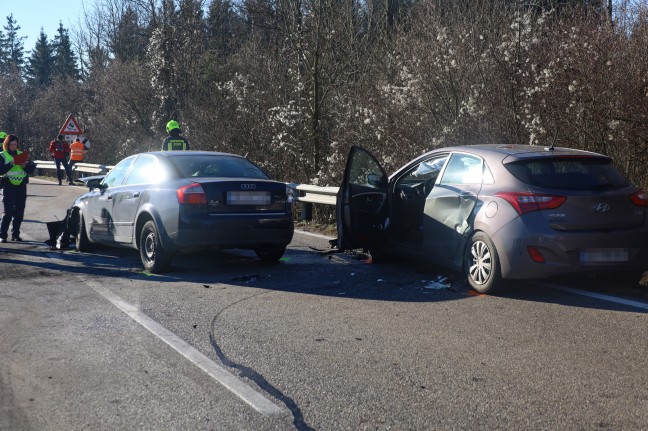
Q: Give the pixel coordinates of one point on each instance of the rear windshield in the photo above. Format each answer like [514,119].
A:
[569,173]
[215,166]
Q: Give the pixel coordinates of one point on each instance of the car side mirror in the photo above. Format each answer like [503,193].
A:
[94,183]
[375,181]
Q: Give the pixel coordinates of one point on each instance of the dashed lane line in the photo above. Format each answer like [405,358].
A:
[232,383]
[600,296]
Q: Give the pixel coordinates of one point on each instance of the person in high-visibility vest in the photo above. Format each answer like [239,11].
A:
[14,188]
[76,153]
[174,141]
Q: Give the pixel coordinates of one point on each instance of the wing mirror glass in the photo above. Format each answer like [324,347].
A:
[376,181]
[94,183]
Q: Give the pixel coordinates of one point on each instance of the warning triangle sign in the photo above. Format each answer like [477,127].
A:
[71,127]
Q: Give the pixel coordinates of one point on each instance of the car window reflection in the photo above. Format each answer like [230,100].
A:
[116,176]
[146,170]
[216,166]
[463,169]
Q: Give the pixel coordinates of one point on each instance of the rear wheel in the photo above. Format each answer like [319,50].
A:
[378,255]
[82,242]
[270,254]
[482,264]
[154,257]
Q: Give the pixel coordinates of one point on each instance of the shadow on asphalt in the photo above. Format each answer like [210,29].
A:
[311,272]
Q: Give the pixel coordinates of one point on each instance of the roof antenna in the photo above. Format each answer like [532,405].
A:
[553,141]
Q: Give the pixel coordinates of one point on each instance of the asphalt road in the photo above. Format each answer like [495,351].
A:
[319,341]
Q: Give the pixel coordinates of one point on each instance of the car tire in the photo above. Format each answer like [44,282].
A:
[81,240]
[481,264]
[154,257]
[378,255]
[270,254]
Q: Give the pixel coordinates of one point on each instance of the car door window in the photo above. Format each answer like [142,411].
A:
[425,172]
[116,176]
[146,170]
[366,172]
[463,169]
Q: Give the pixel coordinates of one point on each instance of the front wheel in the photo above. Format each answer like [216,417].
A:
[154,257]
[482,264]
[270,254]
[82,242]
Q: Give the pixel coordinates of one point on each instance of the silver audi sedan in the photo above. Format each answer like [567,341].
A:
[162,203]
[497,212]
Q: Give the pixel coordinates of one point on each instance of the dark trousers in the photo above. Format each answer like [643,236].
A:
[13,200]
[66,166]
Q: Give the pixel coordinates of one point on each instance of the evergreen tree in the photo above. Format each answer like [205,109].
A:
[129,39]
[11,47]
[65,62]
[3,53]
[224,28]
[41,62]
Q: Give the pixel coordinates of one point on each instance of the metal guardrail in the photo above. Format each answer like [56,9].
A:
[308,194]
[79,167]
[316,194]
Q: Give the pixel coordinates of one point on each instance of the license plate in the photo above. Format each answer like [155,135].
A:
[248,198]
[599,255]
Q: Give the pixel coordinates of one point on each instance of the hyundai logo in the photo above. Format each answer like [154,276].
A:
[248,186]
[601,207]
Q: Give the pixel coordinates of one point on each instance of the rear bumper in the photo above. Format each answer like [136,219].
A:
[569,252]
[232,231]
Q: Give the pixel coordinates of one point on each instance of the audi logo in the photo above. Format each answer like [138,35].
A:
[601,207]
[248,186]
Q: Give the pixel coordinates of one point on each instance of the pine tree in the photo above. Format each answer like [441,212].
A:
[65,62]
[128,42]
[41,62]
[11,47]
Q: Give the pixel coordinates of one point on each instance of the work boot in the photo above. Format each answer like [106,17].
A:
[60,183]
[71,183]
[16,238]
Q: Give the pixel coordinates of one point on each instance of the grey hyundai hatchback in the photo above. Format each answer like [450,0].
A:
[497,212]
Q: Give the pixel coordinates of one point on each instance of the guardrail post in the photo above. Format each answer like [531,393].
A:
[306,211]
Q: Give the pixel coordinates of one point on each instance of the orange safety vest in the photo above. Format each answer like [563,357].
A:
[76,151]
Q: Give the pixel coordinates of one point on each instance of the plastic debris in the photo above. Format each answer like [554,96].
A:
[247,278]
[439,283]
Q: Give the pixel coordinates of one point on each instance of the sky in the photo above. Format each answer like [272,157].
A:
[31,15]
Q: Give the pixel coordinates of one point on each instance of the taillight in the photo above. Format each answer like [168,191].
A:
[527,202]
[535,254]
[193,194]
[640,199]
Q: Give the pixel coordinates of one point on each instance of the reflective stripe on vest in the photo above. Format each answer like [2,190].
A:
[16,174]
[176,143]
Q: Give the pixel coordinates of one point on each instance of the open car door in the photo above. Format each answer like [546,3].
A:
[362,208]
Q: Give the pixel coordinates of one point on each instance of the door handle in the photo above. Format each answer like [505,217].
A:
[110,196]
[136,194]
[466,195]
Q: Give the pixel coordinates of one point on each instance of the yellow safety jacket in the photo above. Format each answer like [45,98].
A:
[16,175]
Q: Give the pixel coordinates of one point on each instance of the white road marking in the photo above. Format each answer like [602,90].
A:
[253,398]
[601,296]
[316,235]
